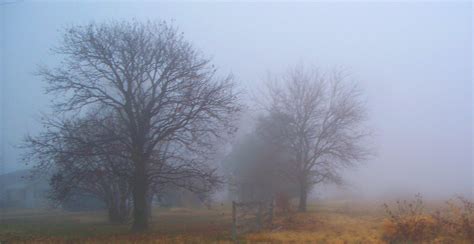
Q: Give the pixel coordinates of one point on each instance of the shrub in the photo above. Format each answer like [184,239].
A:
[282,203]
[408,222]
[458,219]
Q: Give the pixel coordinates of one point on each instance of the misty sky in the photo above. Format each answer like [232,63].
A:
[413,60]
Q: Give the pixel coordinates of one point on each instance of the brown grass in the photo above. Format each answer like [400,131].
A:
[325,222]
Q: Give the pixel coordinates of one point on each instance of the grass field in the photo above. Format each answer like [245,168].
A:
[327,222]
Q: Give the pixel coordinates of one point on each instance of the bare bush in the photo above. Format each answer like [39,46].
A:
[458,219]
[407,222]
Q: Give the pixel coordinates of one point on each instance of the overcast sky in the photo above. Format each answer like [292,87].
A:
[413,60]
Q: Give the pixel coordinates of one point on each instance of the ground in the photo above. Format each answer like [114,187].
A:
[325,222]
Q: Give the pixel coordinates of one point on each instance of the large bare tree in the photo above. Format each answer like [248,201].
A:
[325,117]
[160,88]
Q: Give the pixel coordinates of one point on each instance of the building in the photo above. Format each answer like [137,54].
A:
[19,190]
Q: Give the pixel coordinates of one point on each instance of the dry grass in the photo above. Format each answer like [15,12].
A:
[333,222]
[168,226]
[326,222]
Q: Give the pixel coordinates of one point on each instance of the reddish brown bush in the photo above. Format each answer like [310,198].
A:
[458,219]
[282,203]
[408,222]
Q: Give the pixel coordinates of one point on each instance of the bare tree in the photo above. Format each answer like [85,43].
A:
[161,89]
[325,116]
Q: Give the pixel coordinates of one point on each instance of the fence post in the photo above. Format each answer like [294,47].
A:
[234,222]
[271,213]
[259,216]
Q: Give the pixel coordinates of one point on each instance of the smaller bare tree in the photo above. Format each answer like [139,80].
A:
[325,125]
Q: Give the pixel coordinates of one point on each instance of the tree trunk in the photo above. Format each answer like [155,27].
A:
[116,202]
[149,209]
[140,216]
[124,207]
[303,198]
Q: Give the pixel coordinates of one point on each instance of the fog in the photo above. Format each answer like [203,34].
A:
[413,61]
